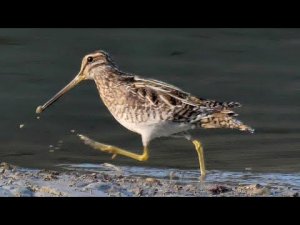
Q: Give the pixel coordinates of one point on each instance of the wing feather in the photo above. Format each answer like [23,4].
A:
[183,106]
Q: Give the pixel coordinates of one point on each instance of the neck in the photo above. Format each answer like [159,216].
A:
[110,81]
[109,77]
[110,73]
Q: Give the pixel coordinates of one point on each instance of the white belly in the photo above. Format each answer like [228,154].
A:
[154,129]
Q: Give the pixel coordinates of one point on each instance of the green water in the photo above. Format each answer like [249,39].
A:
[258,67]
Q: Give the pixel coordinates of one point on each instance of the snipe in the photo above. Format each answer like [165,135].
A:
[149,107]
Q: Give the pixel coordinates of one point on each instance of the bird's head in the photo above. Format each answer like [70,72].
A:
[98,60]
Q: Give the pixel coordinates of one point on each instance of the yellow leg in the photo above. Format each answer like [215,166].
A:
[114,150]
[199,150]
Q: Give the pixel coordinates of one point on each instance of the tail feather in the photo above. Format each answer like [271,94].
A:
[222,105]
[224,120]
[232,104]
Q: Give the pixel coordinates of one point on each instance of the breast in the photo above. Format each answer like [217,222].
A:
[136,114]
[120,106]
[134,118]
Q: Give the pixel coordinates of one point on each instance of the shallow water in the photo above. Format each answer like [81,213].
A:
[291,180]
[257,67]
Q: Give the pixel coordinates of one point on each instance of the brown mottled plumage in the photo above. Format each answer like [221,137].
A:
[116,87]
[149,107]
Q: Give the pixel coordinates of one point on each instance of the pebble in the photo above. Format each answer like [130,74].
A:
[218,189]
[6,166]
[112,166]
[152,181]
[50,190]
[254,189]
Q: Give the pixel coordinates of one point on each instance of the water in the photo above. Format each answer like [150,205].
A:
[192,176]
[257,67]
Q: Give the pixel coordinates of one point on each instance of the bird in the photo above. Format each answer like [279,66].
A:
[149,107]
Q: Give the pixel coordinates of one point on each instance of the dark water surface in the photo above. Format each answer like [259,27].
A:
[258,67]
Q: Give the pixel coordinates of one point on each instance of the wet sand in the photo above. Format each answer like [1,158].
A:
[111,180]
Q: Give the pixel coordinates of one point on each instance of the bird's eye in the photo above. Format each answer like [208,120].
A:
[90,59]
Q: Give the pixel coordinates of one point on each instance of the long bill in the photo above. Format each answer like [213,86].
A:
[68,87]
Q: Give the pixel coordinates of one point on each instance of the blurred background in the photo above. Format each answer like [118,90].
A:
[257,67]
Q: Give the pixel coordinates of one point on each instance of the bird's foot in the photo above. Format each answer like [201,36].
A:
[114,150]
[98,146]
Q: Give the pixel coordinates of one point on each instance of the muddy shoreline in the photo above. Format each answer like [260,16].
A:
[22,182]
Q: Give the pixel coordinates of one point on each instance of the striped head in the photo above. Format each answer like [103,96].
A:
[98,60]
